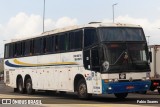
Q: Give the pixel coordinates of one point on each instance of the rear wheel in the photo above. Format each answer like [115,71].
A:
[20,86]
[82,90]
[29,88]
[121,95]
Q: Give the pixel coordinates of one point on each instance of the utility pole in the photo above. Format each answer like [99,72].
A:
[113,10]
[43,15]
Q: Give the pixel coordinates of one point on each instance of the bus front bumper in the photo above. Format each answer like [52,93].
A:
[125,87]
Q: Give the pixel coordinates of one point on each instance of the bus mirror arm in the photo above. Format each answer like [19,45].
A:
[150,56]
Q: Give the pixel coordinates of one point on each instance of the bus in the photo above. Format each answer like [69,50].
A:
[91,59]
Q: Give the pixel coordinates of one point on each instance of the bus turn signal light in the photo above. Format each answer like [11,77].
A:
[155,83]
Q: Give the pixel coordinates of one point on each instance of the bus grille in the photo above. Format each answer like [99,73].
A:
[130,81]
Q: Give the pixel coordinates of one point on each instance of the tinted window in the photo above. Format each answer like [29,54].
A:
[23,48]
[62,42]
[19,49]
[48,44]
[76,39]
[10,50]
[28,47]
[90,37]
[37,46]
[15,49]
[95,59]
[6,51]
[72,40]
[121,34]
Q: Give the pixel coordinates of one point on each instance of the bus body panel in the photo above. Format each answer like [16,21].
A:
[57,70]
[59,74]
[131,82]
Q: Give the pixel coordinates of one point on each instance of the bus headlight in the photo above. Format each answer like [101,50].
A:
[110,88]
[146,86]
[110,80]
[145,78]
[115,80]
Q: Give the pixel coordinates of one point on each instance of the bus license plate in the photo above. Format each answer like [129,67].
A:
[129,87]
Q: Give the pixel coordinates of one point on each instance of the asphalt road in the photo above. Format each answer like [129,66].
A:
[70,99]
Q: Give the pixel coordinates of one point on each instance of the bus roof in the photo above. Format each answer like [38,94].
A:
[69,28]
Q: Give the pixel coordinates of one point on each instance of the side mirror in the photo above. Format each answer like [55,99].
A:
[150,56]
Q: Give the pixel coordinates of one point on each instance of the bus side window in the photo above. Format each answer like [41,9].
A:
[49,44]
[78,39]
[6,51]
[11,50]
[15,50]
[31,47]
[75,39]
[90,37]
[28,45]
[19,49]
[43,45]
[62,42]
[37,46]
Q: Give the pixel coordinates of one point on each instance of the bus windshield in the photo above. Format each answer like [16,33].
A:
[121,34]
[126,57]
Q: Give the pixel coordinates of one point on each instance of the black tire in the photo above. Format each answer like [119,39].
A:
[15,90]
[62,92]
[121,95]
[82,90]
[50,92]
[29,88]
[152,89]
[143,92]
[159,91]
[20,86]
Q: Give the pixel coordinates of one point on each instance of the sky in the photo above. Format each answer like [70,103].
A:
[24,18]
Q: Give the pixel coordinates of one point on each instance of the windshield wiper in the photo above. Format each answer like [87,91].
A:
[119,57]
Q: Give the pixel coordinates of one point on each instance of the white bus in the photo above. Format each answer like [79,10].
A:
[96,58]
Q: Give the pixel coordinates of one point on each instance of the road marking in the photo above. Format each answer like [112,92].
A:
[95,105]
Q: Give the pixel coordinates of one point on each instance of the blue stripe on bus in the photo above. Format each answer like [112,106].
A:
[121,87]
[13,65]
[17,66]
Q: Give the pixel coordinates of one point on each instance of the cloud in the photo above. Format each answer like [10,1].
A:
[150,27]
[158,8]
[65,21]
[23,25]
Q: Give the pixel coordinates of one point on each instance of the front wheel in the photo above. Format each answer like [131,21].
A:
[82,90]
[159,91]
[29,86]
[121,95]
[143,92]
